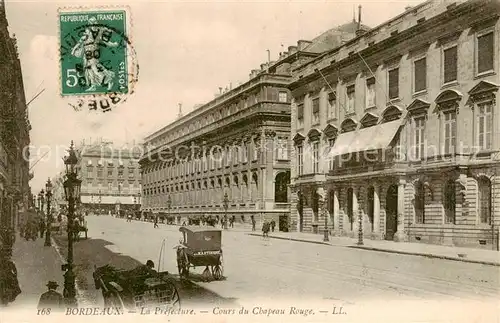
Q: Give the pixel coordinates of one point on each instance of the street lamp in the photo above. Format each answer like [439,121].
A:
[72,192]
[48,195]
[360,229]
[169,205]
[225,203]
[325,212]
[41,197]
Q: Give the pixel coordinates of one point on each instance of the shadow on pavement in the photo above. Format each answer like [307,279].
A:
[93,252]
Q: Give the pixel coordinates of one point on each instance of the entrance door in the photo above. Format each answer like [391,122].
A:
[391,212]
[283,223]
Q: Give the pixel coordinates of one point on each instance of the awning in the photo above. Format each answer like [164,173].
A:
[342,144]
[371,138]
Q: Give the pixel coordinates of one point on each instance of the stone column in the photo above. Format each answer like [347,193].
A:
[400,235]
[376,210]
[336,211]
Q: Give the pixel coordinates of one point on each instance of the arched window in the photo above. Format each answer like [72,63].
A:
[281,187]
[419,202]
[315,205]
[484,200]
[449,201]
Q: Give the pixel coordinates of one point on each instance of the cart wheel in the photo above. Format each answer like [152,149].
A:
[217,272]
[206,274]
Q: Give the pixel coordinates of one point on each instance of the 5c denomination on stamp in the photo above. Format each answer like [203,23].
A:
[98,62]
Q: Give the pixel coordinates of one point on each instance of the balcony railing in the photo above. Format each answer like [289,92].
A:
[281,206]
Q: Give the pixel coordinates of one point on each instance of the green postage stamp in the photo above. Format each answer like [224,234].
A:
[96,53]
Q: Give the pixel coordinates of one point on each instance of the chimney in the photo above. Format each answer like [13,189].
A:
[180,111]
[230,86]
[302,44]
[292,49]
[359,31]
[285,54]
[263,66]
[220,90]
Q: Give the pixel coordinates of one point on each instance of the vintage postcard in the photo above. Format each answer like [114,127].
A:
[273,161]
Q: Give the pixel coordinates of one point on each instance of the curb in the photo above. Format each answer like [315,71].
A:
[292,239]
[489,263]
[79,294]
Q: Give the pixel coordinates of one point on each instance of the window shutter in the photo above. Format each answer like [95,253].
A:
[485,53]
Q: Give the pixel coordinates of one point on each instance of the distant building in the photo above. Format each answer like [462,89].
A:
[398,130]
[111,179]
[241,143]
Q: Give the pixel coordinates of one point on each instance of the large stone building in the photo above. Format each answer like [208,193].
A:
[237,144]
[111,178]
[15,193]
[407,114]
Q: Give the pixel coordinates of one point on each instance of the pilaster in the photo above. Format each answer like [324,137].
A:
[401,234]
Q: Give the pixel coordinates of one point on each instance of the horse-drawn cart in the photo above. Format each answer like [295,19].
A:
[200,247]
[136,289]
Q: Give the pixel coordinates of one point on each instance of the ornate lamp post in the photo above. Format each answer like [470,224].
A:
[41,197]
[225,203]
[360,229]
[48,195]
[169,205]
[72,192]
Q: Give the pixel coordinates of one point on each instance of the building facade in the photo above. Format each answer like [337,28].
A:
[15,193]
[111,178]
[237,144]
[405,118]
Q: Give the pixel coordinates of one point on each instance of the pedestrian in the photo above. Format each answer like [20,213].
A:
[273,225]
[233,218]
[9,285]
[156,222]
[42,227]
[253,223]
[51,299]
[265,229]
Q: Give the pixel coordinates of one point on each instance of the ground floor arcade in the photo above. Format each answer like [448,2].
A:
[450,206]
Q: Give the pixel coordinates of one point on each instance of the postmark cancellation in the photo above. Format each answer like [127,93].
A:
[98,64]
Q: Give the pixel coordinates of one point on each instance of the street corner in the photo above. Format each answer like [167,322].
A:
[98,62]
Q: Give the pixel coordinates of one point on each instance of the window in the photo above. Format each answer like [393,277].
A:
[484,125]
[450,132]
[228,156]
[244,153]
[332,106]
[484,200]
[331,159]
[485,53]
[205,163]
[419,203]
[282,97]
[99,173]
[120,173]
[315,111]
[90,172]
[370,92]
[300,115]
[110,172]
[300,160]
[449,201]
[394,83]
[281,151]
[315,156]
[235,154]
[351,92]
[370,197]
[418,137]
[420,75]
[110,186]
[450,64]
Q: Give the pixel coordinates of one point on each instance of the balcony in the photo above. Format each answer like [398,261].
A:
[281,206]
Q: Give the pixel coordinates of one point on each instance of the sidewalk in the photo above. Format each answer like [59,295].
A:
[471,255]
[36,265]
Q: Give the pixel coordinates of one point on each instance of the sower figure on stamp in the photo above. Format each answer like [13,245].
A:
[88,48]
[51,299]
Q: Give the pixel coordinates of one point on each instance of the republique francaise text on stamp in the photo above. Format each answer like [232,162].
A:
[98,64]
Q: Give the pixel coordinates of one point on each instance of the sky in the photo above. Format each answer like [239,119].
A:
[186,50]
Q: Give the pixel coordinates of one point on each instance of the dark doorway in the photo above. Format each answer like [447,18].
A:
[350,207]
[300,210]
[370,197]
[391,212]
[283,223]
[281,187]
[331,207]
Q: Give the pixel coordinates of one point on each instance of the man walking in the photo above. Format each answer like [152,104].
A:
[156,221]
[51,298]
